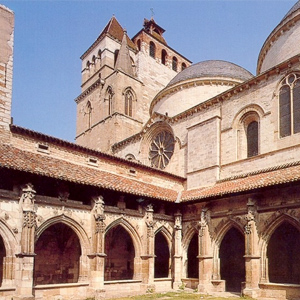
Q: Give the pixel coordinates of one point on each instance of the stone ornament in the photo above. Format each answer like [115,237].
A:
[161,149]
[27,198]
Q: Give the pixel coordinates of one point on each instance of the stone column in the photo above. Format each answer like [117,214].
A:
[177,272]
[98,255]
[205,257]
[148,258]
[252,258]
[26,257]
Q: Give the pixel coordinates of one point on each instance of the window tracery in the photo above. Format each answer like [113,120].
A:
[128,102]
[289,105]
[161,149]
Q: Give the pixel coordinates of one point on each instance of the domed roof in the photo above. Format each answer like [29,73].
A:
[212,68]
[283,41]
[292,10]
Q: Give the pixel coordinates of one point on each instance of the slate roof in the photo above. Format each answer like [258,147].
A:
[212,68]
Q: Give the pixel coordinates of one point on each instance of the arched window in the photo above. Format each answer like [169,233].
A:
[252,139]
[174,63]
[128,102]
[139,45]
[248,132]
[109,98]
[88,111]
[116,56]
[183,66]
[289,105]
[163,57]
[152,49]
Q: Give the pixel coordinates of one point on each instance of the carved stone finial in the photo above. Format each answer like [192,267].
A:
[178,220]
[98,208]
[28,197]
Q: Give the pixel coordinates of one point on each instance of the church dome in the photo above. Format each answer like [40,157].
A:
[211,69]
[196,84]
[282,43]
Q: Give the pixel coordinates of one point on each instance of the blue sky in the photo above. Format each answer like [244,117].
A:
[50,37]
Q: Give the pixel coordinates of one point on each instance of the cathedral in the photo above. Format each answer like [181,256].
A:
[182,174]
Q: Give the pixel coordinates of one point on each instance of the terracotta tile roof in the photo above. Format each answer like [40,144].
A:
[261,179]
[115,30]
[39,164]
[69,145]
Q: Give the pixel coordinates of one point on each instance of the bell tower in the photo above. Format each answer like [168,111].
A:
[120,77]
[108,107]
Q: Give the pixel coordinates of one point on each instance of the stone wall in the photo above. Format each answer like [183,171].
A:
[6,69]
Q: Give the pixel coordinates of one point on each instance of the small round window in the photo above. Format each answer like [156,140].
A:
[161,149]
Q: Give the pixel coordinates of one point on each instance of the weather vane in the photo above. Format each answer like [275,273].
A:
[152,12]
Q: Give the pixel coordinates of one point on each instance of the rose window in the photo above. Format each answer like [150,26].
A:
[161,149]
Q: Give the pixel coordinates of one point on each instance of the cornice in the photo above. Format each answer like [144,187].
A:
[88,90]
[279,30]
[246,85]
[191,83]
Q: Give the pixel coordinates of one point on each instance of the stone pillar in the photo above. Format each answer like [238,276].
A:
[252,258]
[205,257]
[177,272]
[26,257]
[148,258]
[98,255]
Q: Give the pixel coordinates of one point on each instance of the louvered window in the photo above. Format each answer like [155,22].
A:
[289,106]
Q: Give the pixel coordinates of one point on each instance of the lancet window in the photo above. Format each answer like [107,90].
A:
[289,105]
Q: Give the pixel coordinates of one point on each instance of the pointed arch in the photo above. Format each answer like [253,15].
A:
[162,246]
[167,234]
[129,100]
[9,239]
[77,228]
[109,98]
[131,231]
[134,263]
[7,257]
[232,261]
[191,252]
[267,233]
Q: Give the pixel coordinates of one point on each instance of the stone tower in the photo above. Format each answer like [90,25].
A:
[6,70]
[120,77]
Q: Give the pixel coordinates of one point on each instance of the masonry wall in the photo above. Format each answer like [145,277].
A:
[6,69]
